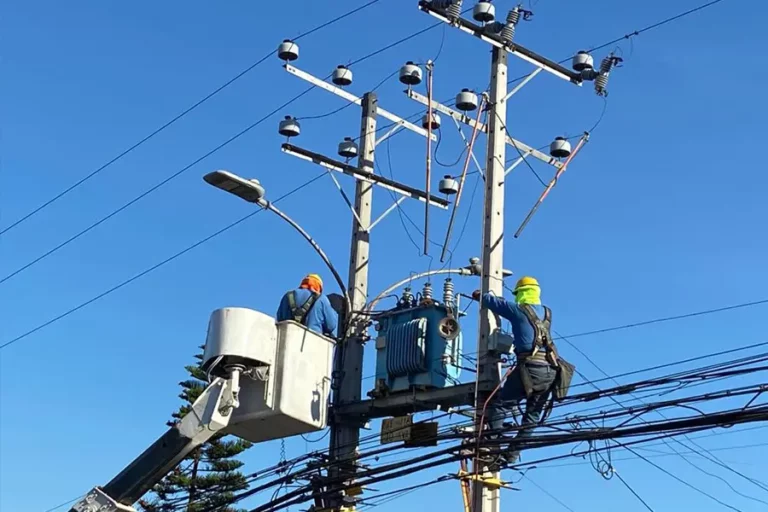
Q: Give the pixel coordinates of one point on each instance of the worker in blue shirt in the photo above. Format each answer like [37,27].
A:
[308,306]
[534,375]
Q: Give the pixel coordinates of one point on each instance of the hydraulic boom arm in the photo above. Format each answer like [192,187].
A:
[210,414]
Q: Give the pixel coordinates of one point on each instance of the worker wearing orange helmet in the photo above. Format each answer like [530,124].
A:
[537,361]
[308,306]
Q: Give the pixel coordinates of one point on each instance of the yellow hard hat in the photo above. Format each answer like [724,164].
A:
[313,281]
[526,282]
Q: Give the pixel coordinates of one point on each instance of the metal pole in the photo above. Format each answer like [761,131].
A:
[484,498]
[348,364]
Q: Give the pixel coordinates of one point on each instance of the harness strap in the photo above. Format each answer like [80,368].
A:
[542,336]
[300,313]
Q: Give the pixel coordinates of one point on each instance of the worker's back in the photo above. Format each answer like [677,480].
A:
[320,317]
[522,329]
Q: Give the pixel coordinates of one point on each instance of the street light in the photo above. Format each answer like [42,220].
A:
[250,190]
[253,192]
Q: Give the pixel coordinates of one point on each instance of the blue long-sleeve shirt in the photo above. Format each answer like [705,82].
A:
[321,318]
[521,327]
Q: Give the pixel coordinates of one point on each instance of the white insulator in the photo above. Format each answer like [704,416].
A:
[342,76]
[288,50]
[560,148]
[582,61]
[410,74]
[454,8]
[348,148]
[484,11]
[290,127]
[466,100]
[448,295]
[435,121]
[448,185]
[426,292]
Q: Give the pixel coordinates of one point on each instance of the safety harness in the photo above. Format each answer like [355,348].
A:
[543,348]
[544,351]
[299,313]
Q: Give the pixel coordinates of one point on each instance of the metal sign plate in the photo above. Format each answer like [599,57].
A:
[396,430]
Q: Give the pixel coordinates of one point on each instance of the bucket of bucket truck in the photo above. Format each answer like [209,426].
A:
[285,388]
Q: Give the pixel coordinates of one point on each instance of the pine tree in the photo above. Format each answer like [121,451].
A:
[208,478]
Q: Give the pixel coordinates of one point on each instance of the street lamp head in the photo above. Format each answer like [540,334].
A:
[250,190]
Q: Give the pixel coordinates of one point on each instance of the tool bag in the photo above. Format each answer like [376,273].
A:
[565,371]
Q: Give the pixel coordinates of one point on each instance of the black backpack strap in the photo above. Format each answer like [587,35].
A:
[299,313]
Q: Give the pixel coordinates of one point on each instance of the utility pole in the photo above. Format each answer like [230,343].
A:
[349,356]
[484,498]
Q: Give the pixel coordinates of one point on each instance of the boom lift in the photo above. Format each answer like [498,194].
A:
[267,380]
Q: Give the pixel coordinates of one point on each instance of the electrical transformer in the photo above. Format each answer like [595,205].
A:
[418,344]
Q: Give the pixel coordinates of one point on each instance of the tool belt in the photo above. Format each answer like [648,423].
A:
[563,377]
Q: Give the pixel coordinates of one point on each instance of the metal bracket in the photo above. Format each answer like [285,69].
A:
[389,133]
[458,116]
[522,84]
[488,481]
[360,174]
[347,200]
[517,162]
[386,212]
[354,99]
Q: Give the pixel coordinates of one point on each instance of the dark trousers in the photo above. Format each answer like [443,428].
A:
[542,377]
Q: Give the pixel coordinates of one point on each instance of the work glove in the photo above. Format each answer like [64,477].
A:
[476,295]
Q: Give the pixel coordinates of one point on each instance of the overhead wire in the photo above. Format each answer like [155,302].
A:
[672,475]
[671,318]
[704,422]
[219,147]
[634,33]
[69,312]
[178,117]
[640,498]
[152,268]
[677,440]
[153,188]
[545,491]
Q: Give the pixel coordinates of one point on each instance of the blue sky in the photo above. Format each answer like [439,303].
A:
[662,213]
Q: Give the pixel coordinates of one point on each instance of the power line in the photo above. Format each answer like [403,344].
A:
[677,478]
[636,32]
[177,118]
[632,490]
[152,268]
[184,169]
[545,491]
[64,504]
[154,187]
[671,318]
[681,455]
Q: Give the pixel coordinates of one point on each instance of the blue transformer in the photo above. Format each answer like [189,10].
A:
[413,350]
